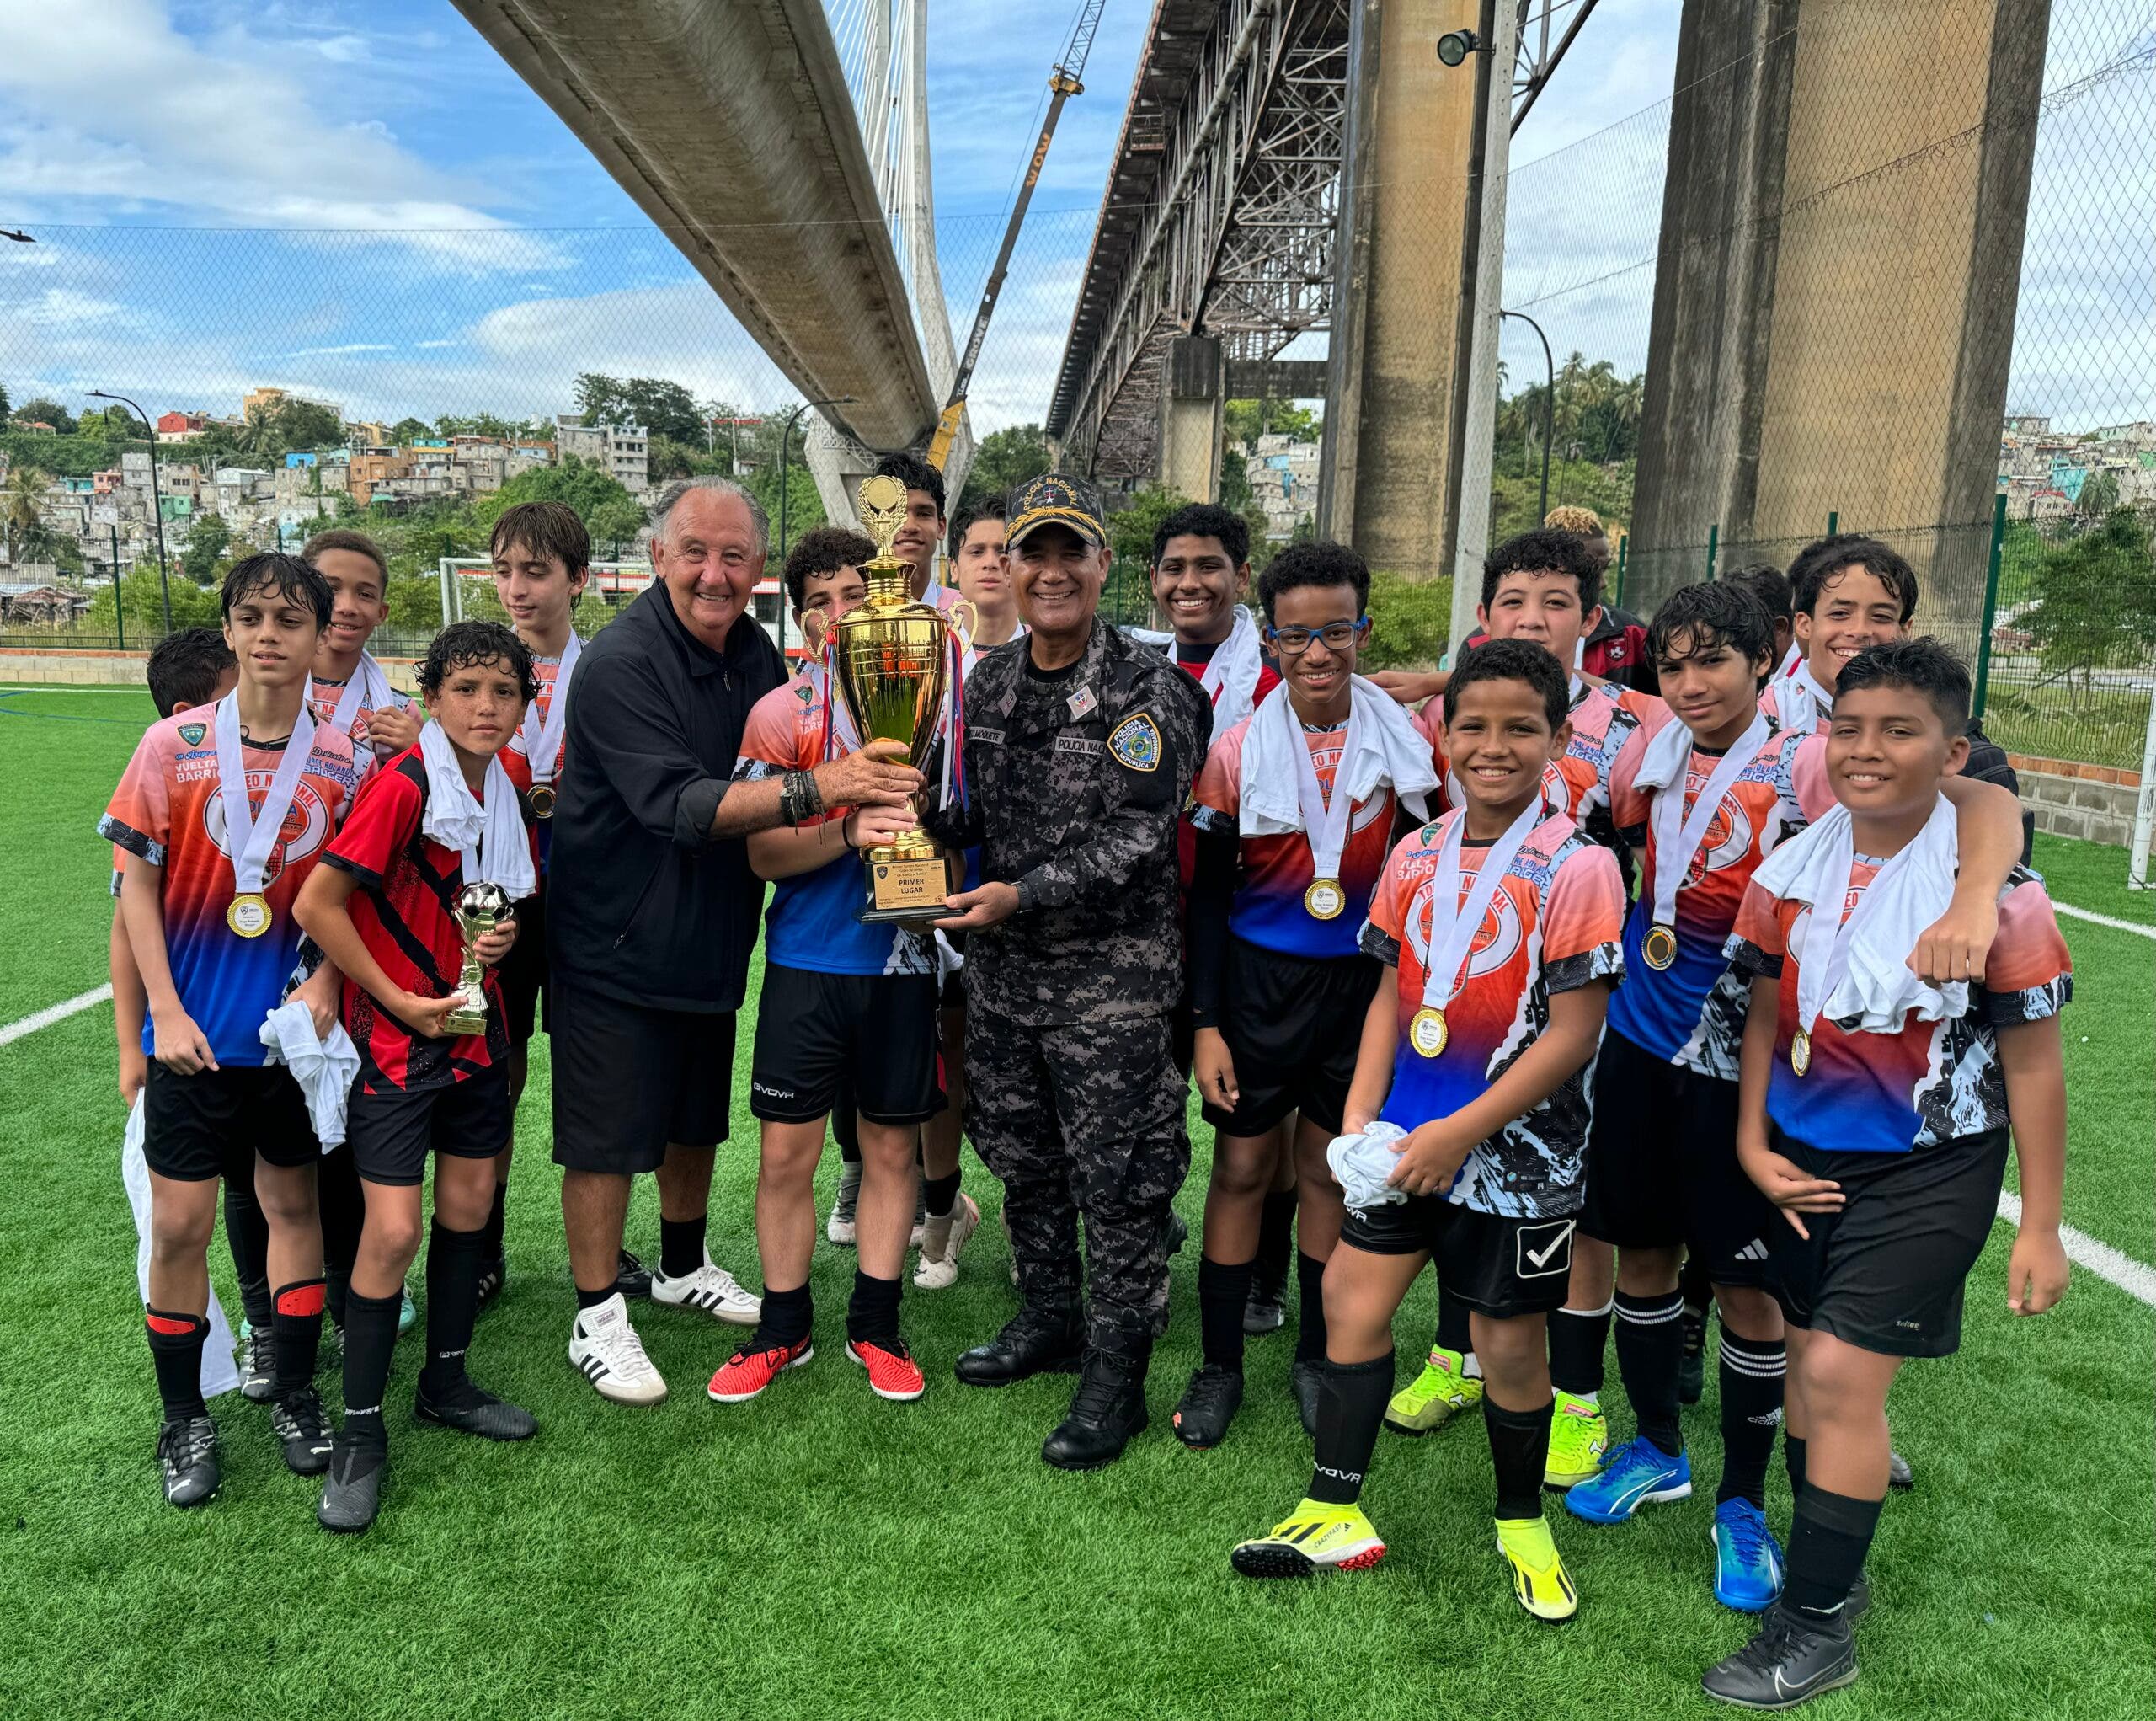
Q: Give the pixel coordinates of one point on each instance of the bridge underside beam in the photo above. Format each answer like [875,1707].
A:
[729,122]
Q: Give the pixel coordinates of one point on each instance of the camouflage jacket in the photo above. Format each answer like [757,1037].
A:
[1076,784]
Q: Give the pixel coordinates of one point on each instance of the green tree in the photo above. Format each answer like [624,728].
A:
[22,515]
[207,541]
[1244,421]
[662,408]
[2099,496]
[143,594]
[2096,606]
[1001,459]
[44,410]
[5,409]
[257,437]
[1127,597]
[307,424]
[609,512]
[408,430]
[1410,620]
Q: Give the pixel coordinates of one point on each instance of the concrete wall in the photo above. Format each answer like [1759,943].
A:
[1400,327]
[2093,802]
[1192,409]
[1840,258]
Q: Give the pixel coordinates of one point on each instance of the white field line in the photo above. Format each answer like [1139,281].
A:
[2091,1256]
[2103,920]
[55,1013]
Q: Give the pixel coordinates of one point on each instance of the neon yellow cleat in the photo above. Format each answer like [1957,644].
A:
[1539,1580]
[1438,1393]
[1313,1538]
[1579,1436]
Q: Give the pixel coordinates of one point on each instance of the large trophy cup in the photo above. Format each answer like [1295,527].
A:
[893,656]
[481,907]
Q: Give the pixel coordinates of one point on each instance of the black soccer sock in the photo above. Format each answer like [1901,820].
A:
[845,1130]
[1350,1406]
[176,1352]
[296,1322]
[1454,1333]
[370,1335]
[786,1319]
[1276,1241]
[1828,1541]
[939,1194]
[1223,1290]
[1793,1460]
[1751,1371]
[592,1299]
[681,1245]
[342,1205]
[1310,1308]
[1650,1352]
[455,1261]
[1519,1452]
[497,1217]
[248,1233]
[872,1313]
[1578,1340]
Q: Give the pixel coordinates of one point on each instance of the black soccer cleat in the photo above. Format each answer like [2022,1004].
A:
[1262,1313]
[1898,1473]
[258,1365]
[351,1496]
[1794,1658]
[632,1278]
[492,1278]
[303,1431]
[187,1453]
[1209,1404]
[469,1409]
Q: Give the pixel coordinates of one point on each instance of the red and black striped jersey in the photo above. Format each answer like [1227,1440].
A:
[405,911]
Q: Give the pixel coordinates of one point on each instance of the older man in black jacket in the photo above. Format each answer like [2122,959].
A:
[652,911]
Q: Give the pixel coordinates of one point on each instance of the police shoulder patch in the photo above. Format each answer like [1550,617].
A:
[1135,743]
[192,733]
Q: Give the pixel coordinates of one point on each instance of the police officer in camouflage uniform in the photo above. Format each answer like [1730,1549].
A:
[1080,749]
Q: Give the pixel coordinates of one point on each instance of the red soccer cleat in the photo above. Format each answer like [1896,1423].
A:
[747,1372]
[893,1373]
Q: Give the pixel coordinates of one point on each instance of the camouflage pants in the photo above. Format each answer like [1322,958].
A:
[1083,1119]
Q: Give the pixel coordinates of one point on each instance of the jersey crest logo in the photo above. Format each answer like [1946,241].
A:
[192,733]
[1136,744]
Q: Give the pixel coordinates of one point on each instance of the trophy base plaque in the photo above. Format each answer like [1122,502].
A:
[465,1020]
[905,888]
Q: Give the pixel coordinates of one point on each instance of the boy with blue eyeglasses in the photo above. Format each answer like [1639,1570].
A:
[1296,809]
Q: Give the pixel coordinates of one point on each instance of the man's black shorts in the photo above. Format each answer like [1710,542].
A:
[523,972]
[213,1123]
[1662,1167]
[1885,1274]
[873,1035]
[392,1130]
[1498,1266]
[627,1080]
[1294,1025]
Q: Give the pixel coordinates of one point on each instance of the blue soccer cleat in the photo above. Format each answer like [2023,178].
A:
[1747,1559]
[1635,1473]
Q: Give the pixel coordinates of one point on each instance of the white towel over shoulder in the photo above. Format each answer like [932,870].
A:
[1384,747]
[1868,985]
[491,837]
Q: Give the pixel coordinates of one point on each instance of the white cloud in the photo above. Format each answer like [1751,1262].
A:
[112,104]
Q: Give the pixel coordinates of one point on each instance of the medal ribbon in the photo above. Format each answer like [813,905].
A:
[1452,938]
[1677,845]
[542,739]
[250,837]
[368,689]
[1828,939]
[1323,825]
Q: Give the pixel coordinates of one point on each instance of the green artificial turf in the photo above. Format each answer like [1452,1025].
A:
[820,1553]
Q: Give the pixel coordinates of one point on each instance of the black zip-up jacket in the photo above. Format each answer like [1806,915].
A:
[642,905]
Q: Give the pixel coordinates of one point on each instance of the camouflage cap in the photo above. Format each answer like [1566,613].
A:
[1054,498]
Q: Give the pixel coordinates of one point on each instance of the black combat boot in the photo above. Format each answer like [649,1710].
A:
[1035,1341]
[1107,1412]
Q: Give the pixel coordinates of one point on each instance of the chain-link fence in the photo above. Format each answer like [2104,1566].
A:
[458,352]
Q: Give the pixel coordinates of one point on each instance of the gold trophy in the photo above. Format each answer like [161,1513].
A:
[480,908]
[893,656]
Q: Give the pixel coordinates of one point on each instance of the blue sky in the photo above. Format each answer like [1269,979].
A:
[364,203]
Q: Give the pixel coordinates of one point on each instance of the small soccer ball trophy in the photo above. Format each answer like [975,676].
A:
[480,908]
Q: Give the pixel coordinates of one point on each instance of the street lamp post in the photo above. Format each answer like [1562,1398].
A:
[785,438]
[1549,408]
[156,501]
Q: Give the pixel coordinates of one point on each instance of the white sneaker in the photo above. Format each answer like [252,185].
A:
[839,1227]
[941,1272]
[605,1348]
[710,1288]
